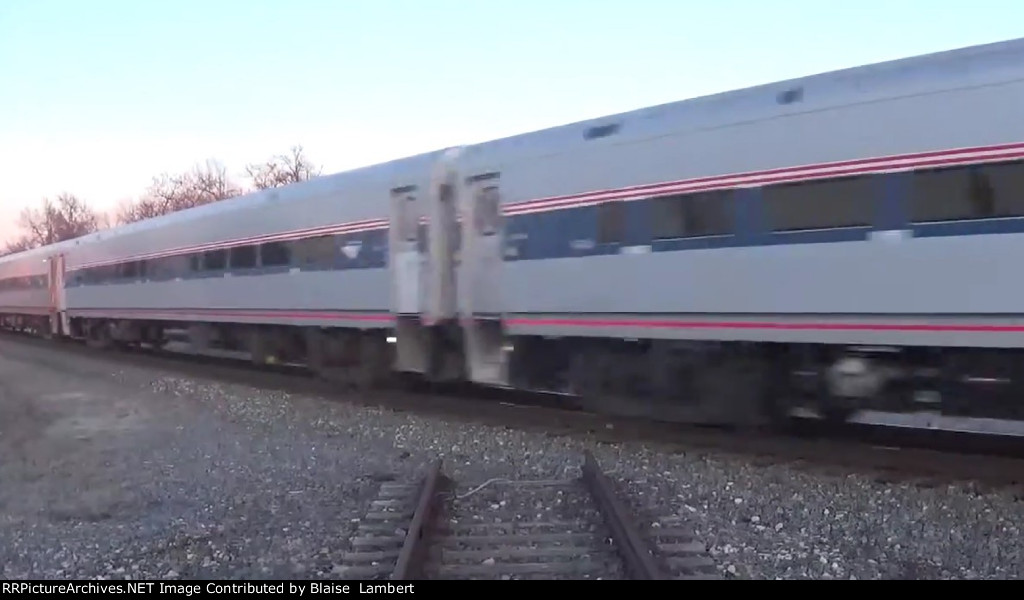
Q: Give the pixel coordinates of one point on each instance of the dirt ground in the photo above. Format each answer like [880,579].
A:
[119,472]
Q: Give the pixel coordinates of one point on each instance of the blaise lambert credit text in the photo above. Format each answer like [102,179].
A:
[209,588]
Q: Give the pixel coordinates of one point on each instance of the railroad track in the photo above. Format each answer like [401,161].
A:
[579,528]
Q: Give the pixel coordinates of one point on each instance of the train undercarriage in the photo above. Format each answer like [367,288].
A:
[352,358]
[32,324]
[738,383]
[722,383]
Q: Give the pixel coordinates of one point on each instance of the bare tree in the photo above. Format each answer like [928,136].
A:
[144,208]
[65,218]
[204,184]
[208,183]
[282,170]
[20,244]
[105,220]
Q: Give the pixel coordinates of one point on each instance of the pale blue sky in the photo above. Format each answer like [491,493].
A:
[99,96]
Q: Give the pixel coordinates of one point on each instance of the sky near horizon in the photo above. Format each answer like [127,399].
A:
[99,97]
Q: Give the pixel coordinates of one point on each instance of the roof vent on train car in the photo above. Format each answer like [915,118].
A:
[790,96]
[600,131]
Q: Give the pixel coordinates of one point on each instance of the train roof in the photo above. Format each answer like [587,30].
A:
[950,68]
[316,186]
[42,252]
[984,63]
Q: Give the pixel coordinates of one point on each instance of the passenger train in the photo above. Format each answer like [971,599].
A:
[841,242]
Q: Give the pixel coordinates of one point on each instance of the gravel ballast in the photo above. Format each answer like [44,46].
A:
[109,471]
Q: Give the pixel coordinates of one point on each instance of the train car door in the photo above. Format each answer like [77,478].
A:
[480,279]
[58,300]
[407,256]
[482,247]
[407,261]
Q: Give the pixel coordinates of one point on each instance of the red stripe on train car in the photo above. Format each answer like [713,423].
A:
[192,312]
[772,325]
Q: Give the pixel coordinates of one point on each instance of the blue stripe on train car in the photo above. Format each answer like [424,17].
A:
[573,232]
[365,250]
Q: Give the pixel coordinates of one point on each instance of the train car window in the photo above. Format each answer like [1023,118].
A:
[156,267]
[194,262]
[410,218]
[823,204]
[967,193]
[611,222]
[104,273]
[243,257]
[693,215]
[487,211]
[178,266]
[275,254]
[169,266]
[215,260]
[128,270]
[315,252]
